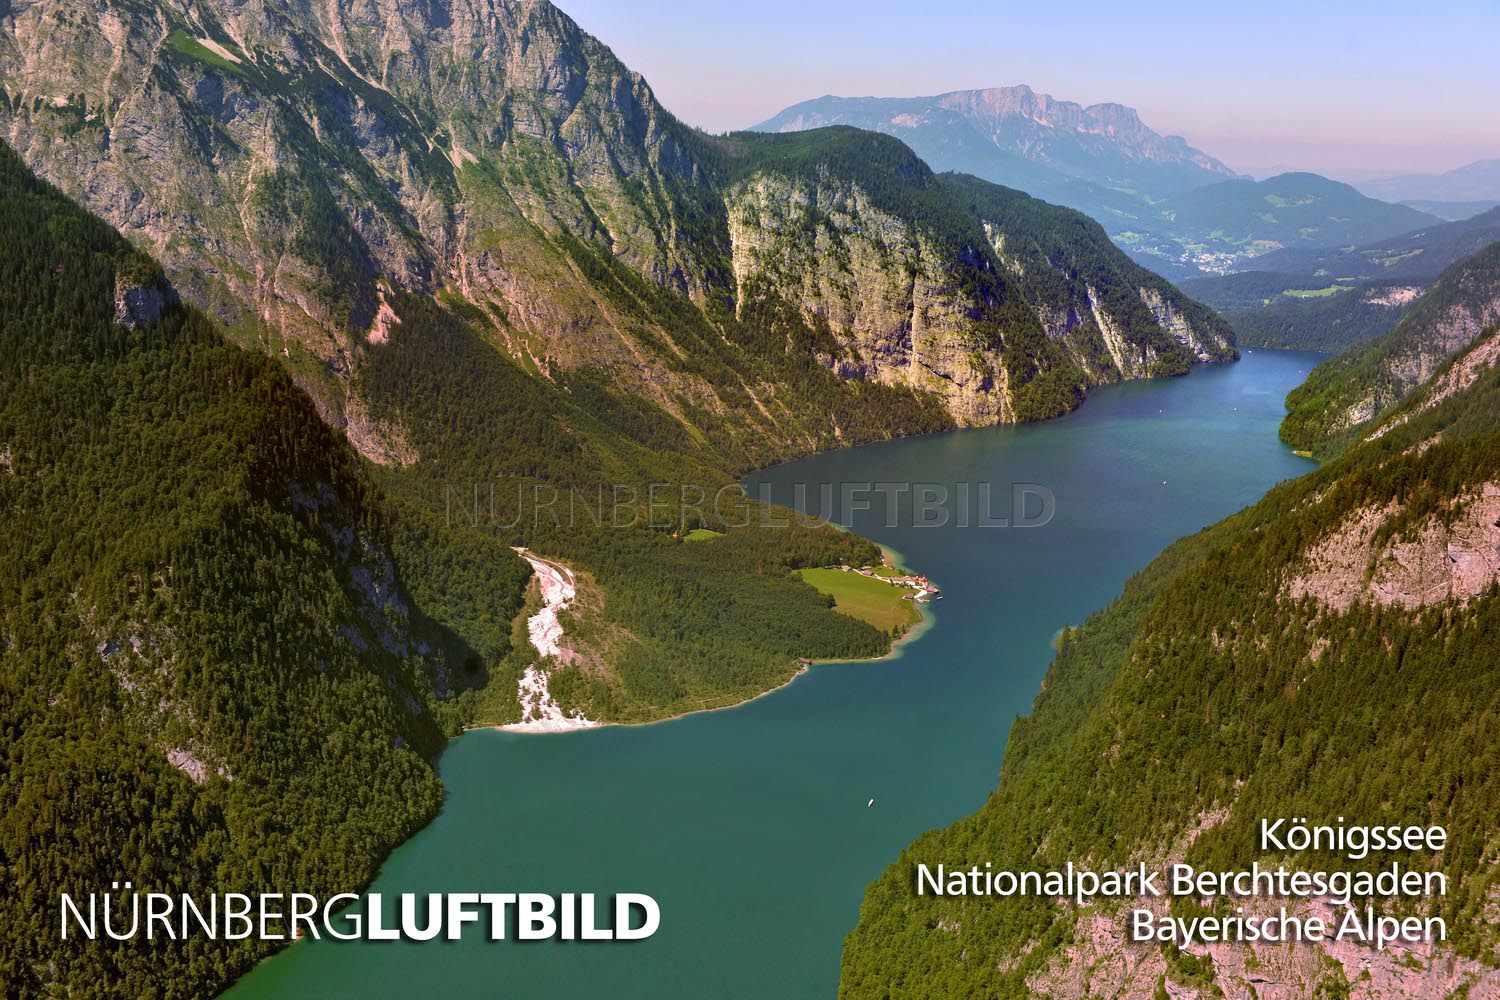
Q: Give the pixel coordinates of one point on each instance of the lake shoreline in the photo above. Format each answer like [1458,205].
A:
[888,557]
[785,785]
[898,644]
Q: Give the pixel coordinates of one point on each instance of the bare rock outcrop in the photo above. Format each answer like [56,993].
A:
[1451,555]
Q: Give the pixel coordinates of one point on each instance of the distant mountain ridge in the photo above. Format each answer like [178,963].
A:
[1173,207]
[1293,208]
[1102,160]
[1224,226]
[1451,211]
[1477,181]
[1420,254]
[1105,144]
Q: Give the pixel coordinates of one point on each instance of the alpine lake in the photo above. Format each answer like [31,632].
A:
[752,827]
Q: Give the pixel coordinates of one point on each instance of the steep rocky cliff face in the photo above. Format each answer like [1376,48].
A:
[1344,395]
[1101,159]
[1115,319]
[883,289]
[1021,121]
[286,160]
[1173,207]
[1004,307]
[296,165]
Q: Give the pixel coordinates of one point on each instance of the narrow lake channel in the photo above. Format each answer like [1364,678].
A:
[750,825]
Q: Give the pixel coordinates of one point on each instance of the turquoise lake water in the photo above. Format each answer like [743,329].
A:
[750,825]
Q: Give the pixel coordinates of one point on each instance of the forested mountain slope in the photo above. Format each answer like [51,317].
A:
[298,166]
[1288,210]
[1345,394]
[491,257]
[1305,311]
[1065,261]
[213,671]
[1331,299]
[1236,224]
[1419,255]
[1329,652]
[227,656]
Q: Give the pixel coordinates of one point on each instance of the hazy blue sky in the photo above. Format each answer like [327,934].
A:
[1343,87]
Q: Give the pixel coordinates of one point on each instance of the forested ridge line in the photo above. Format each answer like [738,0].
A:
[1283,662]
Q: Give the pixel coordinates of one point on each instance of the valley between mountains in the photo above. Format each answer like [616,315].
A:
[300,169]
[499,270]
[328,329]
[492,259]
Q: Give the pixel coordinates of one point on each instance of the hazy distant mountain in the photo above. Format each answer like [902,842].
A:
[1289,210]
[1421,254]
[1329,298]
[1101,159]
[1477,181]
[1173,207]
[1228,227]
[1452,211]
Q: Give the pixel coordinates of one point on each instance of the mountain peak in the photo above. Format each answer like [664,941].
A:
[1106,144]
[1477,181]
[999,103]
[494,153]
[1304,179]
[1101,158]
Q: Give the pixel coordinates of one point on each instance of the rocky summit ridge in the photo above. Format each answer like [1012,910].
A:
[1024,122]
